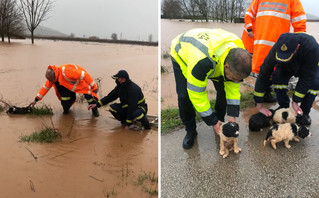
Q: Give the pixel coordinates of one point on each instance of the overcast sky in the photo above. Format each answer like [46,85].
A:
[311,6]
[134,19]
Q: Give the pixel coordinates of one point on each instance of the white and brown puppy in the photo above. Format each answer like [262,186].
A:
[228,138]
[284,115]
[286,132]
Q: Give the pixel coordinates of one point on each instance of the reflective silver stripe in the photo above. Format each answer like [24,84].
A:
[195,88]
[252,9]
[92,83]
[177,47]
[233,102]
[76,67]
[82,75]
[273,13]
[40,96]
[63,73]
[314,92]
[45,87]
[299,18]
[206,113]
[248,25]
[198,45]
[89,92]
[280,87]
[74,87]
[281,7]
[264,42]
[250,14]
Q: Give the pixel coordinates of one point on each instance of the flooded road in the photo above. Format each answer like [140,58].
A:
[97,157]
[171,28]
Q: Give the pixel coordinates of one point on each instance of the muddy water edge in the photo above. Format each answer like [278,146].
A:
[96,157]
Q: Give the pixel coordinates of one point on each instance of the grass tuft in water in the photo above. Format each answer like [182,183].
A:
[43,110]
[47,135]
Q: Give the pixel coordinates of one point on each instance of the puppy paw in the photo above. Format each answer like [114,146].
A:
[237,150]
[222,153]
[288,146]
[296,139]
[224,156]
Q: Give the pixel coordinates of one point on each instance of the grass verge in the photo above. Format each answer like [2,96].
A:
[47,135]
[171,120]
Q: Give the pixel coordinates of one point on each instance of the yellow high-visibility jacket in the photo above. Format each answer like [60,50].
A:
[201,54]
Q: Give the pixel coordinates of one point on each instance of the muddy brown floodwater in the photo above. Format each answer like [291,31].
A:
[171,28]
[96,157]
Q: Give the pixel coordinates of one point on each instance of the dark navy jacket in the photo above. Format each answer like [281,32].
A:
[303,65]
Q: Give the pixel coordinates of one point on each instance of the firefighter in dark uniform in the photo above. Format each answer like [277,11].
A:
[132,104]
[294,54]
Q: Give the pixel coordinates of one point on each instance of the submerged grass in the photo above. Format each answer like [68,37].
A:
[47,135]
[149,183]
[43,110]
[171,120]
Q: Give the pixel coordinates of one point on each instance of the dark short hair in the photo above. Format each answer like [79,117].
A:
[239,61]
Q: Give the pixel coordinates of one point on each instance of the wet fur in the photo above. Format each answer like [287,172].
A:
[227,143]
[285,132]
[19,110]
[284,115]
[259,121]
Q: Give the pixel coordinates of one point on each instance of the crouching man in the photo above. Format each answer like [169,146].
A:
[132,104]
[294,54]
[68,80]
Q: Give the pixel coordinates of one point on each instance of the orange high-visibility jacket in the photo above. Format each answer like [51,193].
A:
[270,19]
[248,42]
[72,77]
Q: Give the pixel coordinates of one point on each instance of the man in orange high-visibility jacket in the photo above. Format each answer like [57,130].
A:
[247,36]
[265,21]
[68,80]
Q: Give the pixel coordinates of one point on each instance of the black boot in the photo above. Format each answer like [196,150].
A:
[95,112]
[189,139]
[146,123]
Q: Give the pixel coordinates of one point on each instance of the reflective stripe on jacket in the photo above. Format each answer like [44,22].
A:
[72,77]
[270,19]
[204,51]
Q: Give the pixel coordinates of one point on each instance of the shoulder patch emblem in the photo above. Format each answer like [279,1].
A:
[283,47]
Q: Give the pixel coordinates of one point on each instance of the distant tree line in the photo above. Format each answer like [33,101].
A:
[16,15]
[215,10]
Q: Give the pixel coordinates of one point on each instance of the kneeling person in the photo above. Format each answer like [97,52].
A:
[68,80]
[132,104]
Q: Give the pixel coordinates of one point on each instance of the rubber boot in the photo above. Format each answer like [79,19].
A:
[189,139]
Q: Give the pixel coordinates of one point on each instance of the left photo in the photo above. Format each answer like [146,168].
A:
[79,98]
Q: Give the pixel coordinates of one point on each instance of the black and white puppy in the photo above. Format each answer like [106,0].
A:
[284,115]
[285,132]
[229,133]
[259,121]
[19,110]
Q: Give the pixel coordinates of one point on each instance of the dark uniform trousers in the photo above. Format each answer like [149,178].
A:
[281,77]
[186,108]
[120,113]
[68,97]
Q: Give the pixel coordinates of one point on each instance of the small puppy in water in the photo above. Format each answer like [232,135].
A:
[259,121]
[228,138]
[286,132]
[284,115]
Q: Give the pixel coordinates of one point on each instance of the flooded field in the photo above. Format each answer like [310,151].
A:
[96,157]
[171,28]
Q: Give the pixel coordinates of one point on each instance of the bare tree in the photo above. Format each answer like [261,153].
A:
[203,8]
[189,8]
[34,12]
[150,37]
[114,36]
[10,19]
[171,9]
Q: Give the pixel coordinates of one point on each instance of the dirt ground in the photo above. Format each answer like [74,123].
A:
[96,157]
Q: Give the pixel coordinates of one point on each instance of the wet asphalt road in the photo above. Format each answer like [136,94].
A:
[257,171]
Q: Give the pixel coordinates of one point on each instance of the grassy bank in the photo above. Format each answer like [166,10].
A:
[171,120]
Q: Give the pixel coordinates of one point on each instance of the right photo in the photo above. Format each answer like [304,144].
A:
[239,98]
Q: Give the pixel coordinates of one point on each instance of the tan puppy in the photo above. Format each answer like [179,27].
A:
[228,138]
[286,132]
[284,115]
